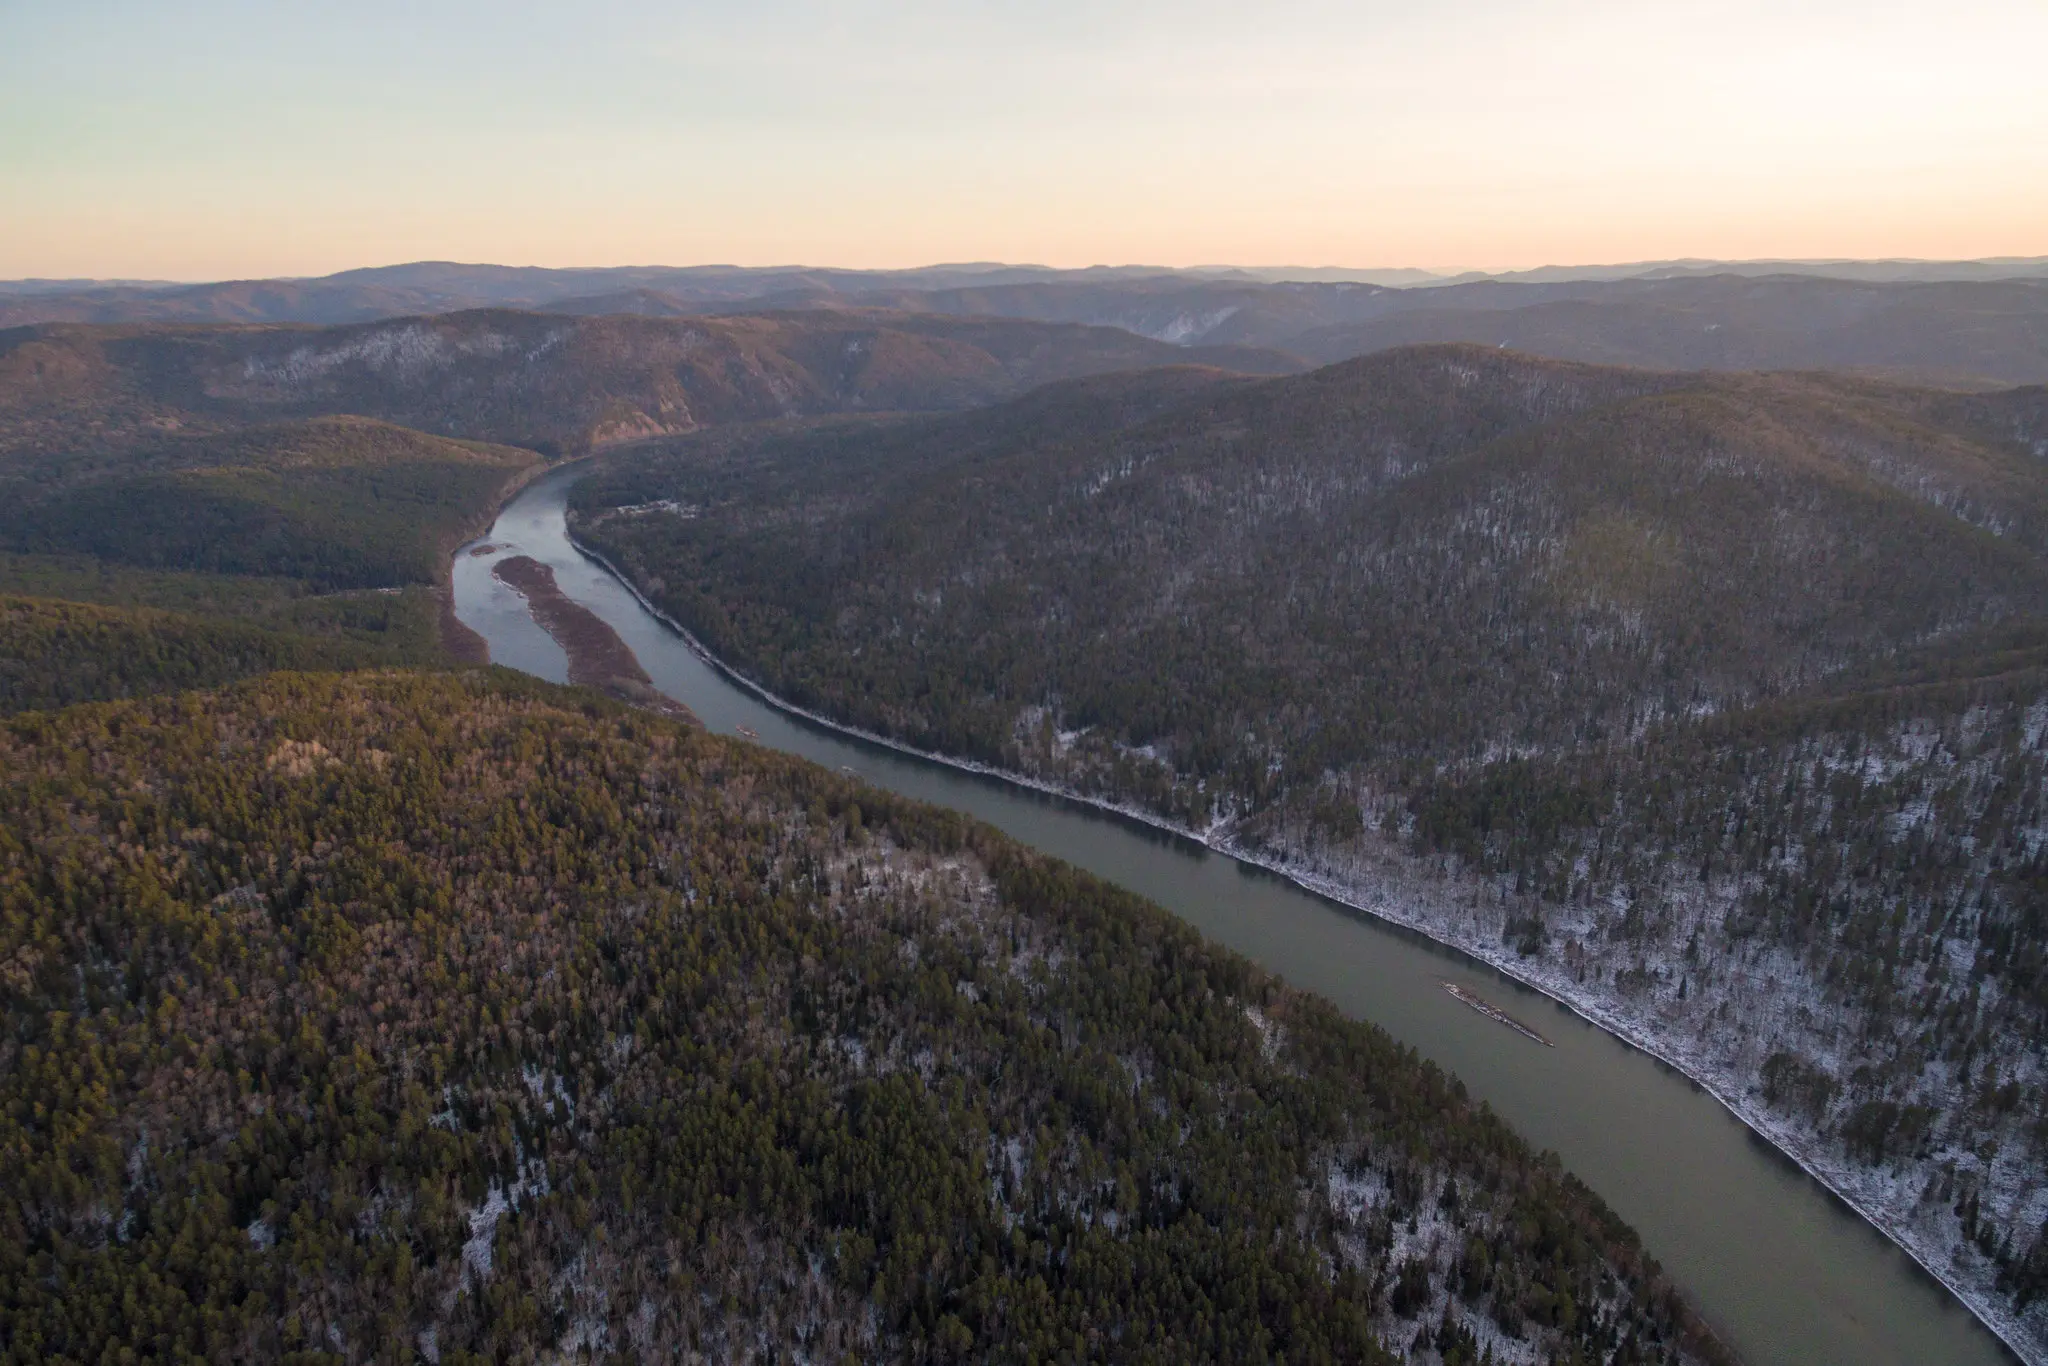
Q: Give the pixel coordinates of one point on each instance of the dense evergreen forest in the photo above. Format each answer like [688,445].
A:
[333,503]
[1393,561]
[136,564]
[1715,704]
[377,1016]
[55,653]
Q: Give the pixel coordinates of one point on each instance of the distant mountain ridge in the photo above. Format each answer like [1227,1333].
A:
[1882,270]
[452,285]
[1960,323]
[1981,333]
[557,384]
[369,293]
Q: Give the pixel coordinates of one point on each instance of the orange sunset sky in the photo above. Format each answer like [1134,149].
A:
[201,139]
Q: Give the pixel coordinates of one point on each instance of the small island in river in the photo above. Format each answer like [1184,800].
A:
[598,658]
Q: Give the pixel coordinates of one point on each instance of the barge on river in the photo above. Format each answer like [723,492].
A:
[1494,1012]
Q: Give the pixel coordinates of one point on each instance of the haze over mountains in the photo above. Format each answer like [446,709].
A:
[1966,322]
[556,384]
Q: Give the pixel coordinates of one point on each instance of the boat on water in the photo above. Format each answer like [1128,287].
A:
[1494,1012]
[748,731]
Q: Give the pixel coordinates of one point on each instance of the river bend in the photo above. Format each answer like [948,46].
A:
[1786,1272]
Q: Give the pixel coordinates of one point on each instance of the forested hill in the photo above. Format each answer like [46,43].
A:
[336,502]
[359,1017]
[1715,703]
[556,384]
[54,653]
[173,559]
[1394,561]
[1977,332]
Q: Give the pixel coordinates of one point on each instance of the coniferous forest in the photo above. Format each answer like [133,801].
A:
[359,1017]
[1717,705]
[138,562]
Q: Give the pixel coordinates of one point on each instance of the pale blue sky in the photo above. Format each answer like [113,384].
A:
[211,138]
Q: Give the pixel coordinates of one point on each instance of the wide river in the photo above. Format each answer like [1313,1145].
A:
[1785,1271]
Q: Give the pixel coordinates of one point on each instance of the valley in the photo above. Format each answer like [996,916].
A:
[1709,705]
[1694,844]
[797,685]
[1786,1272]
[232,499]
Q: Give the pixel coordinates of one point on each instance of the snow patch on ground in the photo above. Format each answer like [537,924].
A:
[499,1201]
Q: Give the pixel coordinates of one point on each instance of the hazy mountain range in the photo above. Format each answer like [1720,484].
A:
[560,385]
[1970,323]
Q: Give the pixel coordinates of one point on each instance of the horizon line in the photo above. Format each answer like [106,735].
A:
[1439,272]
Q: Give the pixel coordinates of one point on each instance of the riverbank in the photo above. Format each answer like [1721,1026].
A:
[461,644]
[1431,906]
[1453,912]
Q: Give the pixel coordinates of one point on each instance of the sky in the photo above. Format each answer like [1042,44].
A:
[211,139]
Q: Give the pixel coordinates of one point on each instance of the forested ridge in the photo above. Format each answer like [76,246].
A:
[1712,703]
[334,503]
[1393,561]
[55,653]
[169,560]
[359,1017]
[556,384]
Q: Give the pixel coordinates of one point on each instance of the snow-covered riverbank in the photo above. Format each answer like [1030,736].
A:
[1722,1058]
[1648,1005]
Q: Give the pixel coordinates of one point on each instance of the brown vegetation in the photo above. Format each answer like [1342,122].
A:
[598,658]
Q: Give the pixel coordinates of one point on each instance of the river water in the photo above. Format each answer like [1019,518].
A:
[1785,1271]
